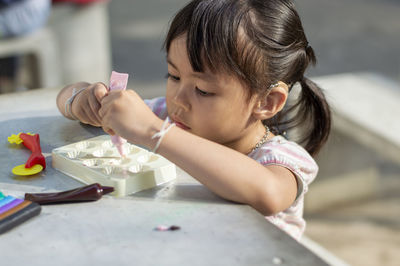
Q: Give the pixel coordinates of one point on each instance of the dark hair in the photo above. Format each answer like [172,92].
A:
[261,42]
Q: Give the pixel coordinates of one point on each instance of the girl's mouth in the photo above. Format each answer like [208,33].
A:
[184,127]
[179,124]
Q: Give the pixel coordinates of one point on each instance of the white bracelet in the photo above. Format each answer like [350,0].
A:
[68,102]
[160,135]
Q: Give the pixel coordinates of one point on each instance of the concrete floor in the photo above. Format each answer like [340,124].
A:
[364,232]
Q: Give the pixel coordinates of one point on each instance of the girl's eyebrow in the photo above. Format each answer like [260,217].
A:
[205,76]
[170,62]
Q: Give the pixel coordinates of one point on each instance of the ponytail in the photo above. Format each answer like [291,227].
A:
[310,112]
[314,110]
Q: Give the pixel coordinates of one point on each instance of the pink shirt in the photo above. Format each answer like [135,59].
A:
[288,154]
[276,151]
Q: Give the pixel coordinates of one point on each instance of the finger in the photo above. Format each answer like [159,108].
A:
[110,96]
[102,111]
[85,114]
[106,104]
[79,113]
[91,118]
[83,117]
[100,90]
[94,107]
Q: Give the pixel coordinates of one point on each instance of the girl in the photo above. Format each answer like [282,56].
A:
[231,66]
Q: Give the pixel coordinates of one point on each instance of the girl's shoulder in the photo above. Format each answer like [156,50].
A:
[289,154]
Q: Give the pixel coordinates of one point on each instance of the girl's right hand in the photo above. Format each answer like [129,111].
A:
[86,104]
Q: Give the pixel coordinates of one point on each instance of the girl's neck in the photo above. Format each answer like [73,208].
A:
[248,141]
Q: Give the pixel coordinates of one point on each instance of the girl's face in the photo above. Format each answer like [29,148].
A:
[214,106]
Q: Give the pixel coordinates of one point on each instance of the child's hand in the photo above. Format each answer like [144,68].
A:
[86,105]
[124,113]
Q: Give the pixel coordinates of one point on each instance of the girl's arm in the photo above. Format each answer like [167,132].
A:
[228,173]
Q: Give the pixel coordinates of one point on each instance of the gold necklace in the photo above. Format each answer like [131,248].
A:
[263,139]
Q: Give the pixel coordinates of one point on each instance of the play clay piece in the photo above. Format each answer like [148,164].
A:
[16,139]
[97,160]
[23,171]
[118,81]
[167,228]
[162,228]
[15,211]
[33,143]
[10,205]
[36,161]
[91,192]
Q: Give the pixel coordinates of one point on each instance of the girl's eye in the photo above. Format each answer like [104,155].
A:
[203,93]
[175,78]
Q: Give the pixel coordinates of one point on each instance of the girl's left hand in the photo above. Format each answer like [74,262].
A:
[124,113]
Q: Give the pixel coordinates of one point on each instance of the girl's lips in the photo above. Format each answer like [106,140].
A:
[181,125]
[178,124]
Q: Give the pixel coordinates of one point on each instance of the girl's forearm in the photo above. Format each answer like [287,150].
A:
[230,174]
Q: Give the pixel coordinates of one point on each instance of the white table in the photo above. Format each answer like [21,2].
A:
[120,231]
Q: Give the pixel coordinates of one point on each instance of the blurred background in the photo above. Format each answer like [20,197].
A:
[357,41]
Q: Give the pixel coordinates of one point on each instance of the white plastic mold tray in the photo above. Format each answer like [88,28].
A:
[97,160]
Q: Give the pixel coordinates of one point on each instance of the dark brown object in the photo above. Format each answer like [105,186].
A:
[91,192]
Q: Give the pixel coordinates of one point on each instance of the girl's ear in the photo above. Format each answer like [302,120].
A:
[268,106]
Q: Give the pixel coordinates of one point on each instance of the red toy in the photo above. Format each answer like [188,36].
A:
[36,161]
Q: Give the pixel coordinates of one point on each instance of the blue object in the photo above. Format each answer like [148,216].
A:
[6,200]
[18,17]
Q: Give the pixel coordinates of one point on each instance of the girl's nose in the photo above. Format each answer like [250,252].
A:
[181,99]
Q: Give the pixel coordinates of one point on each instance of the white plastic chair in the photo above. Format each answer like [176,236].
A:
[42,45]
